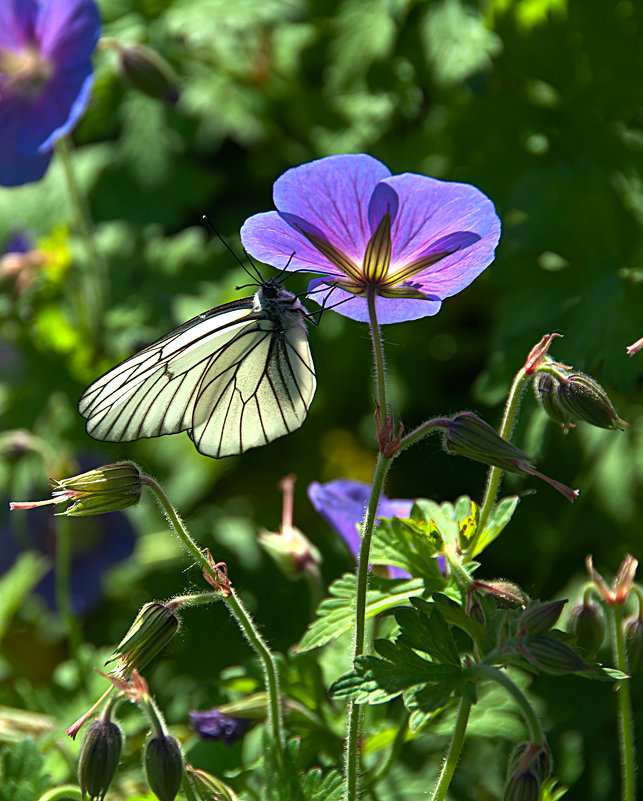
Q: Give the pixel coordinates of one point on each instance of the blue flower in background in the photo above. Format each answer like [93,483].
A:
[45,79]
[342,504]
[412,239]
[212,724]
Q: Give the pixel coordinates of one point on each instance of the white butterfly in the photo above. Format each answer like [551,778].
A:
[234,378]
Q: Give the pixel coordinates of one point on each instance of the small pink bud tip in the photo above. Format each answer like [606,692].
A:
[635,347]
[538,353]
[17,506]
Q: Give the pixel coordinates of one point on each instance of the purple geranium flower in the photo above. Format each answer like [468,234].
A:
[213,724]
[342,504]
[411,240]
[45,79]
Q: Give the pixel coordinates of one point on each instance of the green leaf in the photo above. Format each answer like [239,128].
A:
[457,42]
[501,514]
[454,614]
[375,681]
[429,633]
[336,614]
[319,787]
[21,776]
[411,545]
[444,515]
[18,582]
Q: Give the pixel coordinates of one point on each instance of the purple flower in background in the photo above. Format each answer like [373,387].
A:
[212,724]
[412,240]
[342,504]
[45,79]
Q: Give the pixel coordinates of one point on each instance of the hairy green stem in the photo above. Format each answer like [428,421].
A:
[93,276]
[239,613]
[453,754]
[536,734]
[495,473]
[353,728]
[378,352]
[624,706]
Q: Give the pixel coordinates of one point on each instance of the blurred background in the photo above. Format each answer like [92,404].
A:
[538,103]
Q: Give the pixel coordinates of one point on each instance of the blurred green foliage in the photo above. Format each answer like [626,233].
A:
[537,102]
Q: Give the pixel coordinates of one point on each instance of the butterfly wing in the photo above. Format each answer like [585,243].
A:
[262,394]
[230,377]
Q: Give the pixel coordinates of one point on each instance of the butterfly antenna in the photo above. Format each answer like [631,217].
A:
[230,250]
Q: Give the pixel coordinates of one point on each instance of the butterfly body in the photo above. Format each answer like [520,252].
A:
[235,377]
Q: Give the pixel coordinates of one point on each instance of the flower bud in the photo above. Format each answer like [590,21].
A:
[510,594]
[292,550]
[152,629]
[100,753]
[522,787]
[539,618]
[467,435]
[163,766]
[105,489]
[552,655]
[587,400]
[587,624]
[575,396]
[530,757]
[546,389]
[634,643]
[209,787]
[148,72]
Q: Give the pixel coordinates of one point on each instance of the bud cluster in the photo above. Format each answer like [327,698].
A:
[566,396]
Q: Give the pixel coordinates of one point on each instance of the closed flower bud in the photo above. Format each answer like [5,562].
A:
[552,655]
[148,72]
[530,757]
[510,594]
[209,787]
[163,766]
[523,787]
[587,624]
[539,618]
[567,396]
[587,400]
[292,550]
[634,643]
[467,435]
[153,628]
[100,753]
[105,489]
[546,389]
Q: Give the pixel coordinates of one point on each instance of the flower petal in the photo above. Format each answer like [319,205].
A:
[68,30]
[436,216]
[16,167]
[389,310]
[332,195]
[17,23]
[55,113]
[342,503]
[270,239]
